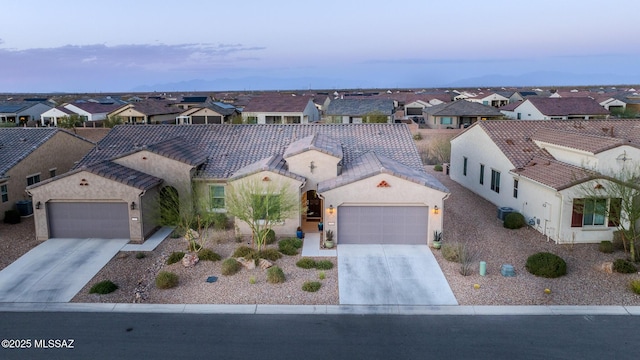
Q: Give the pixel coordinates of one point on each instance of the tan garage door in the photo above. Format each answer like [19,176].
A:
[406,225]
[104,220]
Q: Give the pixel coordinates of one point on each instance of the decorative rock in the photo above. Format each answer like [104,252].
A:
[191,235]
[264,264]
[190,259]
[607,267]
[249,264]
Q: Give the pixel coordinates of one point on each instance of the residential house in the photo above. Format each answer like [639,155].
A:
[30,155]
[51,116]
[280,109]
[356,111]
[365,182]
[491,99]
[214,113]
[187,102]
[147,112]
[21,112]
[90,111]
[458,114]
[567,108]
[539,168]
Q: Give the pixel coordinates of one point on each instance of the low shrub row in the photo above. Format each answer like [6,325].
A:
[309,263]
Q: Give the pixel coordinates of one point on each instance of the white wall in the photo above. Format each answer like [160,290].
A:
[528,112]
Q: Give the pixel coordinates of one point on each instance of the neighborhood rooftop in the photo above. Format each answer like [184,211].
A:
[17,143]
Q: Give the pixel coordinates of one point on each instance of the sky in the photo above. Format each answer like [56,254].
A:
[199,45]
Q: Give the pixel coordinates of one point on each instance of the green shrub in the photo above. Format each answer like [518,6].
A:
[324,265]
[177,233]
[451,252]
[166,280]
[103,287]
[635,286]
[174,257]
[271,237]
[220,221]
[306,263]
[230,266]
[245,252]
[417,136]
[624,267]
[275,275]
[208,255]
[321,275]
[270,254]
[547,265]
[252,280]
[289,246]
[514,220]
[311,286]
[140,255]
[12,217]
[437,167]
[606,247]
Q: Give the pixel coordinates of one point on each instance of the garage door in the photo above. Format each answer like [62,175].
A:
[382,224]
[88,220]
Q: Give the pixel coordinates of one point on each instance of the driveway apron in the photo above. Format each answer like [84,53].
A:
[391,275]
[56,270]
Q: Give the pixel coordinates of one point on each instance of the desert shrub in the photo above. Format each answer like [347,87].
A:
[546,265]
[174,257]
[624,267]
[12,217]
[606,247]
[437,167]
[230,266]
[451,252]
[103,287]
[321,275]
[324,265]
[220,221]
[177,233]
[635,286]
[270,254]
[252,280]
[140,255]
[275,275]
[514,220]
[311,286]
[207,254]
[417,136]
[271,237]
[166,280]
[245,252]
[306,263]
[289,246]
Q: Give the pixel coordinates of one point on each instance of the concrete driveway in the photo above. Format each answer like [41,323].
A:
[56,270]
[391,275]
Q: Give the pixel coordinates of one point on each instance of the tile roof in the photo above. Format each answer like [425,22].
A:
[178,149]
[462,108]
[229,148]
[277,103]
[11,107]
[274,163]
[585,142]
[17,143]
[360,107]
[567,106]
[96,108]
[554,174]
[319,142]
[371,164]
[156,107]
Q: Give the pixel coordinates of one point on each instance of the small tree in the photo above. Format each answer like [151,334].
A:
[622,188]
[261,205]
[440,149]
[112,121]
[236,119]
[71,121]
[375,117]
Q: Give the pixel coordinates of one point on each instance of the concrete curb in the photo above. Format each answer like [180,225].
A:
[320,309]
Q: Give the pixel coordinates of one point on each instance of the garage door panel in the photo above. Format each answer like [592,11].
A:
[88,220]
[382,225]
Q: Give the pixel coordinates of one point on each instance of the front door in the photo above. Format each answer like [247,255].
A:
[314,206]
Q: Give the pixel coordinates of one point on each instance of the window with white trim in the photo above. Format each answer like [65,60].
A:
[216,197]
[515,188]
[33,179]
[495,181]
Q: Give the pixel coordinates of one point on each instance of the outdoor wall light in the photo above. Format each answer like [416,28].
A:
[133,205]
[331,209]
[436,210]
[38,204]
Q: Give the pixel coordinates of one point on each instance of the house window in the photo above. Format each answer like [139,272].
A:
[519,116]
[216,197]
[292,120]
[33,179]
[266,207]
[4,193]
[515,188]
[594,212]
[52,172]
[464,166]
[495,181]
[252,119]
[481,174]
[445,121]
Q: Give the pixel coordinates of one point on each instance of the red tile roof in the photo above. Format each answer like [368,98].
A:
[277,103]
[568,106]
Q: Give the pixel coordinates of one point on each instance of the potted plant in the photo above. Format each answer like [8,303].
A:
[328,240]
[437,239]
[299,233]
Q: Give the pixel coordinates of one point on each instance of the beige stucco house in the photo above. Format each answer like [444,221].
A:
[363,181]
[543,170]
[31,155]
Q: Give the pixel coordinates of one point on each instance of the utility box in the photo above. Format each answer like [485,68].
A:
[503,212]
[25,207]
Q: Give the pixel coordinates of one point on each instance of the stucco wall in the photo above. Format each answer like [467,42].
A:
[325,167]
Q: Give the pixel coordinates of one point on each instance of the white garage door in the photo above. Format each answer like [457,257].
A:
[88,220]
[406,225]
